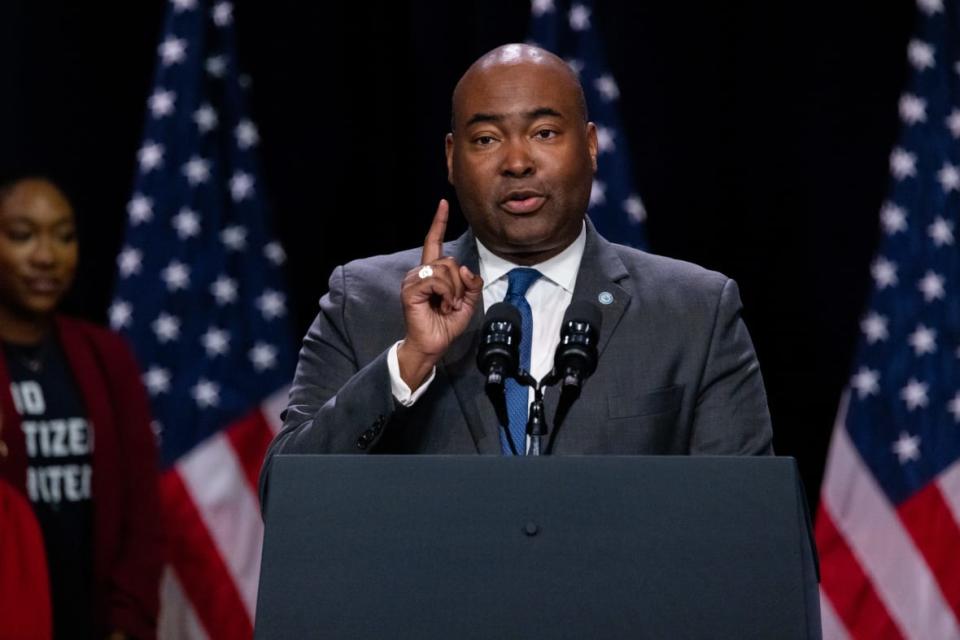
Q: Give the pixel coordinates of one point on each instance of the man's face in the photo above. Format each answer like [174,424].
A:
[521,158]
[38,248]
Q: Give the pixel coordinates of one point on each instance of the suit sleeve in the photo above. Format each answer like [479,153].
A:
[731,415]
[335,405]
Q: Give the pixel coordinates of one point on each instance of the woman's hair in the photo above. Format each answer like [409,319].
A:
[10,178]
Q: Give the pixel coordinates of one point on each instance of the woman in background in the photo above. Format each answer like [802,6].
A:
[76,437]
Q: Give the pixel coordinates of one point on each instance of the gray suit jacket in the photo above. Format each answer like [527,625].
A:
[677,371]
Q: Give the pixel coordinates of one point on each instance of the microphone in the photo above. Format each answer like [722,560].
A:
[499,354]
[576,356]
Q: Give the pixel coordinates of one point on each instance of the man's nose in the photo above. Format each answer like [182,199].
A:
[518,162]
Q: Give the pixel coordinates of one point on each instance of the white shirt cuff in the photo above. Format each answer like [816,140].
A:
[401,392]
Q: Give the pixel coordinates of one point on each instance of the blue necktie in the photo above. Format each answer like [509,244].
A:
[518,398]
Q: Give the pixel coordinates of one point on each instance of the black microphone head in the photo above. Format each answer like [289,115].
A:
[499,350]
[502,311]
[584,312]
[577,352]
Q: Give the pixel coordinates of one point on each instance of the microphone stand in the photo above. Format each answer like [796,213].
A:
[537,426]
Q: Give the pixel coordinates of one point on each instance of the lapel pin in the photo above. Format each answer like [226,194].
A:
[605,297]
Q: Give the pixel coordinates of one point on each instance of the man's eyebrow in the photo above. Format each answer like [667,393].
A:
[539,112]
[484,117]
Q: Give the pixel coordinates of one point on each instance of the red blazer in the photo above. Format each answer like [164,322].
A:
[128,538]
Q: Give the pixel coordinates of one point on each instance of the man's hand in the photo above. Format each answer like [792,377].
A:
[437,304]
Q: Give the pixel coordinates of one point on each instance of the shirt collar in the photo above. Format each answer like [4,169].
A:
[561,269]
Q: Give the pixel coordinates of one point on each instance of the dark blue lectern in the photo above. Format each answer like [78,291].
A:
[550,547]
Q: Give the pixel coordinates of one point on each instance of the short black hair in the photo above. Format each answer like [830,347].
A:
[10,177]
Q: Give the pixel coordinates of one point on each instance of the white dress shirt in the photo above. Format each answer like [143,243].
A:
[548,297]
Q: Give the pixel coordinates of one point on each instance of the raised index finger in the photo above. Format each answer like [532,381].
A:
[433,243]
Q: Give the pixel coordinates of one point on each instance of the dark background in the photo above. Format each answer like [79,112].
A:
[759,131]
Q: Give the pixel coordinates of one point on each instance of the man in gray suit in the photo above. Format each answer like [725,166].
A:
[389,363]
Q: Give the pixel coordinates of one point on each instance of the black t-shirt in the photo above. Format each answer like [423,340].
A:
[59,443]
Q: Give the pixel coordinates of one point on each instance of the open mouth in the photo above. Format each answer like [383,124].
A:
[520,202]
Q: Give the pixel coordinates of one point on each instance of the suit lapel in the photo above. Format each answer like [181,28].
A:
[598,283]
[601,271]
[459,363]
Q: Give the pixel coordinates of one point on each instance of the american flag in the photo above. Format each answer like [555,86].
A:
[888,527]
[200,295]
[568,30]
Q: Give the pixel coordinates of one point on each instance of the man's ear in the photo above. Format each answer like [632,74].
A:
[448,144]
[592,144]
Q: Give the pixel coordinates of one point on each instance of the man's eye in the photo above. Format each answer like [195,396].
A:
[483,140]
[546,134]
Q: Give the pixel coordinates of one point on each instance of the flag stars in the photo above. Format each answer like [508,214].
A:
[866,382]
[923,340]
[949,178]
[172,51]
[912,109]
[953,123]
[874,327]
[576,66]
[915,394]
[176,275]
[186,223]
[274,252]
[156,380]
[216,342]
[906,447]
[930,7]
[206,393]
[224,290]
[247,135]
[234,237]
[222,14]
[579,17]
[241,186]
[197,170]
[941,231]
[166,327]
[903,164]
[140,209]
[607,87]
[206,118]
[884,272]
[541,7]
[263,356]
[954,407]
[920,55]
[931,286]
[216,66]
[121,314]
[129,261]
[272,304]
[161,103]
[635,209]
[605,139]
[598,193]
[150,156]
[893,218]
